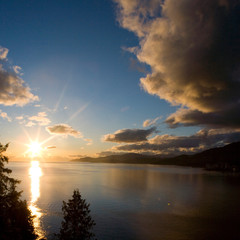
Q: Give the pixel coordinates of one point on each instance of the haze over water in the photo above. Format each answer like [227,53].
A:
[135,201]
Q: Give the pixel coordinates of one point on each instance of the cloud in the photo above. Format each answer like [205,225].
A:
[5,116]
[17,69]
[150,122]
[64,130]
[19,117]
[220,119]
[193,50]
[3,53]
[29,124]
[129,135]
[51,147]
[136,65]
[13,90]
[40,119]
[89,141]
[174,145]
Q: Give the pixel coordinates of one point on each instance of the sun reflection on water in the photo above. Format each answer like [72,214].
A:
[35,173]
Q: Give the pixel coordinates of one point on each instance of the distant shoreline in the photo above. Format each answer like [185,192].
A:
[224,159]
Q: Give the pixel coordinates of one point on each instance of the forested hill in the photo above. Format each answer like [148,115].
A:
[221,158]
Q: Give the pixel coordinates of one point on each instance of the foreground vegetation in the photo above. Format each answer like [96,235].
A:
[16,220]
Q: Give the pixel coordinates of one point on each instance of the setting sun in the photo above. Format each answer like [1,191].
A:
[34,149]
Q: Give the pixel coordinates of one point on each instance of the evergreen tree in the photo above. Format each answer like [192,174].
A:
[16,221]
[77,223]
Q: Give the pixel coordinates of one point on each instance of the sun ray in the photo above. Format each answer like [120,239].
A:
[81,109]
[61,96]
[34,149]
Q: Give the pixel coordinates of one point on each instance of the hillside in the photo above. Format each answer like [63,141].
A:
[221,158]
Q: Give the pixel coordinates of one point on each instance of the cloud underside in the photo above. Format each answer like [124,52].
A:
[175,145]
[63,130]
[193,50]
[129,135]
[13,90]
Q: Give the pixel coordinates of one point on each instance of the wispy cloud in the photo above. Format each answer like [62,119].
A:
[41,119]
[150,122]
[4,115]
[63,130]
[29,124]
[19,117]
[193,50]
[89,141]
[129,135]
[51,147]
[17,69]
[3,53]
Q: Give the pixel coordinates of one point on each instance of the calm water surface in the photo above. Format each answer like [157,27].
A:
[135,201]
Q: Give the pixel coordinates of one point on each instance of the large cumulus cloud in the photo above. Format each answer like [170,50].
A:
[192,47]
[13,90]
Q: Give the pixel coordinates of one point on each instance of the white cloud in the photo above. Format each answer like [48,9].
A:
[3,53]
[30,124]
[40,118]
[4,115]
[17,69]
[19,117]
[150,122]
[63,130]
[13,90]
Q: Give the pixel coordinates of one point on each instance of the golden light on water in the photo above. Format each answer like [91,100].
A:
[35,173]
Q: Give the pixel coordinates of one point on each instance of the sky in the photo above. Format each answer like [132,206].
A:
[101,77]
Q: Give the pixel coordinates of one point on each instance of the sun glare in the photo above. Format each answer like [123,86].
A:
[34,149]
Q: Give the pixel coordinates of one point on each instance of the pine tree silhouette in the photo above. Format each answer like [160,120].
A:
[16,221]
[77,223]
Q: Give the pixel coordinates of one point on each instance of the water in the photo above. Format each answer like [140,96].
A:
[135,201]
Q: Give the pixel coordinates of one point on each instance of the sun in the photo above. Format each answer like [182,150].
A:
[34,149]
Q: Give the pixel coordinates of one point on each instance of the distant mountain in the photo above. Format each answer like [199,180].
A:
[225,158]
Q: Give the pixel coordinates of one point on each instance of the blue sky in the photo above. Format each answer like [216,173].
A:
[76,57]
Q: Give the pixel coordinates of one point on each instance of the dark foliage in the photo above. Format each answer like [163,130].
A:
[77,223]
[16,221]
